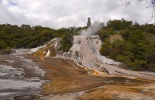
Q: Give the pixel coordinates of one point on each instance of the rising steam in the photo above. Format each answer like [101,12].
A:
[92,30]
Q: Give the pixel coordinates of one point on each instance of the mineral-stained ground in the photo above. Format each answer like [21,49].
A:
[26,77]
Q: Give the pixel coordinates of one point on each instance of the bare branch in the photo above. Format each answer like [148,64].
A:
[128,2]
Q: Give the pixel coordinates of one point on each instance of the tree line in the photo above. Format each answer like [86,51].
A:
[26,36]
[136,49]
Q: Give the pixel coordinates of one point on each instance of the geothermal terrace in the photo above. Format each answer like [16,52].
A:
[80,74]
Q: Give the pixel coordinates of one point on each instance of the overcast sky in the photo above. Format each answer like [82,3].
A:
[68,13]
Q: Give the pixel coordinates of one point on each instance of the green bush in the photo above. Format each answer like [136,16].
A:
[136,50]
[66,42]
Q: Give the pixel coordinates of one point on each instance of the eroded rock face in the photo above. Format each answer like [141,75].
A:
[87,47]
[50,49]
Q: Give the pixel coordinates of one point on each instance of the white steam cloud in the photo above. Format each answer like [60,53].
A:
[92,30]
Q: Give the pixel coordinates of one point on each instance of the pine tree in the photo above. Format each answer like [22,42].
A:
[89,22]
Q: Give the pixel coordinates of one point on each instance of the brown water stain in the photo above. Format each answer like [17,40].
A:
[67,77]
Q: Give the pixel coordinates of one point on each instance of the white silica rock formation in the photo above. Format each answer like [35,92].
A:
[86,49]
[55,42]
[48,53]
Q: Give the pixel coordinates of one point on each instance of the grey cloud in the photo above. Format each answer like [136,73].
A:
[68,13]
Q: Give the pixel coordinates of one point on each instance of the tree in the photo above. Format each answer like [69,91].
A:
[66,42]
[89,22]
[119,24]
